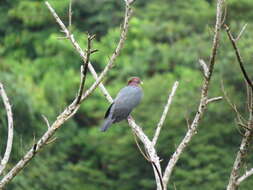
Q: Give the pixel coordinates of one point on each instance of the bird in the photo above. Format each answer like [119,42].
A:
[126,100]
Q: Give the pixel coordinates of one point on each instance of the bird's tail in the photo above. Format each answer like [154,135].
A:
[106,124]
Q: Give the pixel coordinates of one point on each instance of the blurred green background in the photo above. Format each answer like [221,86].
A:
[166,38]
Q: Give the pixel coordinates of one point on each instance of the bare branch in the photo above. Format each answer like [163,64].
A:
[225,13]
[241,154]
[70,14]
[233,180]
[129,2]
[8,110]
[164,114]
[145,155]
[238,56]
[128,13]
[150,150]
[244,176]
[210,100]
[74,106]
[241,32]
[249,96]
[84,67]
[62,118]
[204,67]
[240,118]
[203,101]
[46,120]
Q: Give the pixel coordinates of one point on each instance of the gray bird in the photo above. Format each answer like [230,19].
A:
[126,100]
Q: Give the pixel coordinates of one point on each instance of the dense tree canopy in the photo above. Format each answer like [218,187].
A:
[165,41]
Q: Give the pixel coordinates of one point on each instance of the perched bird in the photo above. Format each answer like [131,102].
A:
[126,100]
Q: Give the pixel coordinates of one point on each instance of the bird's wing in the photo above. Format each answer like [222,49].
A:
[128,98]
[108,111]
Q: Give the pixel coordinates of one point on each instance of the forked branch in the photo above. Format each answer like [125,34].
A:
[235,179]
[74,106]
[164,114]
[238,56]
[203,101]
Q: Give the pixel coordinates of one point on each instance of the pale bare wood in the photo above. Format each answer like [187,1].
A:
[203,101]
[74,106]
[244,176]
[9,143]
[164,114]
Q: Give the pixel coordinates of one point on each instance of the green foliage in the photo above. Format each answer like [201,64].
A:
[165,41]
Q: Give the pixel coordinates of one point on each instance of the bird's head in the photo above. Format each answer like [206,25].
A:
[134,81]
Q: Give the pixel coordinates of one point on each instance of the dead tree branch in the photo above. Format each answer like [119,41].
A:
[74,106]
[215,99]
[235,179]
[241,32]
[238,56]
[84,67]
[8,110]
[138,131]
[204,67]
[203,101]
[98,79]
[164,114]
[244,176]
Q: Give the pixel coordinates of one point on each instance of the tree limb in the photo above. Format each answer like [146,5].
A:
[8,110]
[164,114]
[98,79]
[244,176]
[235,179]
[241,32]
[238,56]
[74,106]
[138,131]
[84,67]
[210,100]
[150,150]
[203,101]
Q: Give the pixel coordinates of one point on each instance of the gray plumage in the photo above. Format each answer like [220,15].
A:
[126,100]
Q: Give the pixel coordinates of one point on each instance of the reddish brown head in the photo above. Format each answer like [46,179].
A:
[134,81]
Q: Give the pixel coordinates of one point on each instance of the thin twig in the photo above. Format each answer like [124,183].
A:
[249,96]
[70,14]
[244,176]
[145,155]
[139,147]
[84,67]
[240,118]
[8,110]
[150,150]
[210,100]
[241,32]
[238,56]
[46,120]
[164,114]
[224,13]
